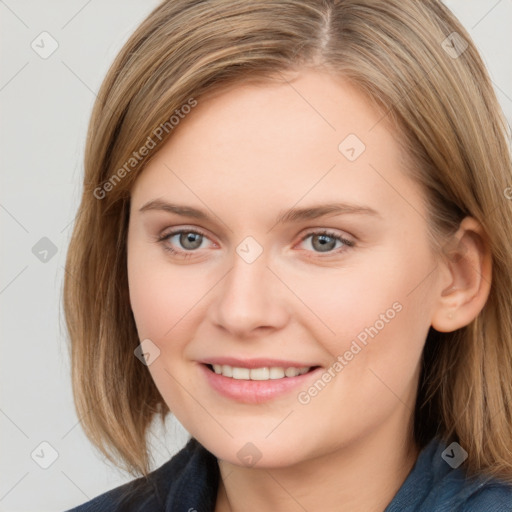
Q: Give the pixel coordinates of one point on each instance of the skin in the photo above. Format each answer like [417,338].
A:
[244,155]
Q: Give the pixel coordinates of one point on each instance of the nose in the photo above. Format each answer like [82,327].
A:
[250,298]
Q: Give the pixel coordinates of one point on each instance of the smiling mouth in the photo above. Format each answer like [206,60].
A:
[263,373]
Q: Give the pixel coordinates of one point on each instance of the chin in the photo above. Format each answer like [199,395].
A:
[259,453]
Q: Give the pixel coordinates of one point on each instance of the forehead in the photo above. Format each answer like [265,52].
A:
[311,137]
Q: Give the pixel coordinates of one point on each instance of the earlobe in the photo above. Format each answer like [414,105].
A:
[467,260]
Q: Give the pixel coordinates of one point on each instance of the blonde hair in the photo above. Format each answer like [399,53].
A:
[404,57]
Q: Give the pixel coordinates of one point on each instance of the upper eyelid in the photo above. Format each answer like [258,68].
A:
[310,231]
[177,231]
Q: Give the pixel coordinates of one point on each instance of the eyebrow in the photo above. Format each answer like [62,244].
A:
[286,216]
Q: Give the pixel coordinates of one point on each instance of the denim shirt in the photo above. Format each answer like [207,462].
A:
[188,482]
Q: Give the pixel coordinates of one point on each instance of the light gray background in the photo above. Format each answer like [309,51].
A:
[45,108]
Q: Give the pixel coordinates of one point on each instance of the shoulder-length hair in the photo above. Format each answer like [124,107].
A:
[418,66]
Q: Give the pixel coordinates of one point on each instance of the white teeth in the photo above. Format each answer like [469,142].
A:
[227,371]
[292,372]
[264,373]
[260,373]
[241,373]
[276,373]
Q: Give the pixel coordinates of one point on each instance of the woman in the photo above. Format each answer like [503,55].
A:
[294,235]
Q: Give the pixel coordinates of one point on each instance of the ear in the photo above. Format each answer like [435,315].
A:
[467,274]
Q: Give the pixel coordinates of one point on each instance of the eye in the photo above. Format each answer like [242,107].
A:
[189,239]
[325,241]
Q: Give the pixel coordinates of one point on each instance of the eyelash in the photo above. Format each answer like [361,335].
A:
[187,254]
[183,254]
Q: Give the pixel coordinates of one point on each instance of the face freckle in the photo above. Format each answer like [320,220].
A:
[256,289]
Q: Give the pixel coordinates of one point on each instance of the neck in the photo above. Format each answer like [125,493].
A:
[361,477]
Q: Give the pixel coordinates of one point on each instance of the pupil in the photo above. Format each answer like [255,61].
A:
[189,238]
[324,241]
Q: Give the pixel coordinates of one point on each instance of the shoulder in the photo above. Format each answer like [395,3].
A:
[493,496]
[438,483]
[192,466]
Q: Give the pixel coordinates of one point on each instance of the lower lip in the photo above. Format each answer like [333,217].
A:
[255,391]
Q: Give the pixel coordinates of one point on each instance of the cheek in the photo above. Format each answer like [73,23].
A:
[385,288]
[374,321]
[166,304]
[163,297]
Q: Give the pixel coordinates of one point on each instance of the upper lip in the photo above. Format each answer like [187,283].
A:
[256,363]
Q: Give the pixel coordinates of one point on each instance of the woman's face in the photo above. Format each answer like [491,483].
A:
[271,168]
